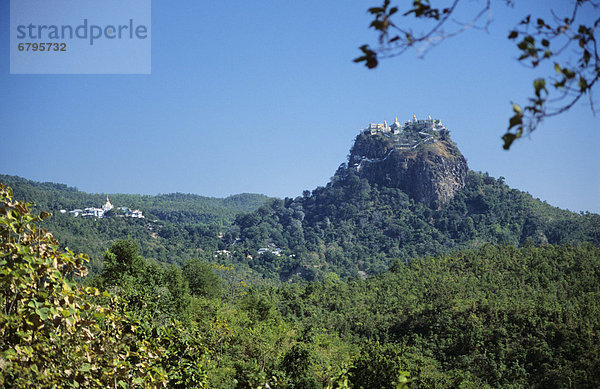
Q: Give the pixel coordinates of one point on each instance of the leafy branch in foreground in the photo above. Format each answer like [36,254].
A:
[57,333]
[538,41]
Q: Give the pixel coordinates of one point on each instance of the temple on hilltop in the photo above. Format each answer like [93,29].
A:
[107,206]
[397,128]
[101,212]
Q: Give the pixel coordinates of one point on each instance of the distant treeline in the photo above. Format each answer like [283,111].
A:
[176,227]
[349,227]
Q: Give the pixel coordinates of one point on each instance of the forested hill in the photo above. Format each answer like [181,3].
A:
[492,317]
[403,193]
[396,202]
[174,207]
[176,227]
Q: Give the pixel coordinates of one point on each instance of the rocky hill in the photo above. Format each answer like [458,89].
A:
[405,191]
[418,157]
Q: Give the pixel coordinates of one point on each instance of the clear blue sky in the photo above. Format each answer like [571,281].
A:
[263,96]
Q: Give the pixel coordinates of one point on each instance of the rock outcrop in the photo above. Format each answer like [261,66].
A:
[424,163]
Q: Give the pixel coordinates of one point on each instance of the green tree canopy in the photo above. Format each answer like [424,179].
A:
[201,278]
[54,332]
[121,259]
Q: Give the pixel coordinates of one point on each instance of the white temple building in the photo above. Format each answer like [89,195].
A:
[396,127]
[107,206]
[100,212]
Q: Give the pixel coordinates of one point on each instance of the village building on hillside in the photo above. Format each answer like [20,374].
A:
[102,212]
[76,212]
[96,212]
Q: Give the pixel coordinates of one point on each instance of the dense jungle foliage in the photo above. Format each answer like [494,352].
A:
[494,316]
[351,227]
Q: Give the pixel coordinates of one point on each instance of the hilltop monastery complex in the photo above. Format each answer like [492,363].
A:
[100,212]
[414,125]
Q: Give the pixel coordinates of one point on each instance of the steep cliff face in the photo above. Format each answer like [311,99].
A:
[430,171]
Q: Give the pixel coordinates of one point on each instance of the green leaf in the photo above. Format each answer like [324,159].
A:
[516,108]
[539,84]
[508,140]
[515,121]
[85,367]
[42,313]
[375,10]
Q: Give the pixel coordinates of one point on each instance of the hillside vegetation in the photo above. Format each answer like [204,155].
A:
[406,270]
[177,226]
[352,227]
[495,316]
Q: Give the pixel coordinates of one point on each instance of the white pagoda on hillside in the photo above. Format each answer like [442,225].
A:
[107,206]
[101,212]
